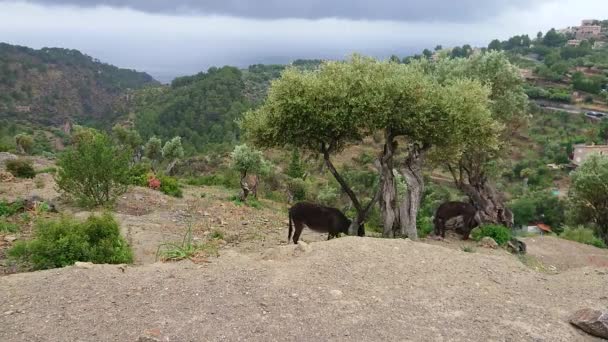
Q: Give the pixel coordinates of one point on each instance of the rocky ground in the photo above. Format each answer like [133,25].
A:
[259,289]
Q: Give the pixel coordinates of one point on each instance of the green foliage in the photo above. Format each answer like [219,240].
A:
[424,225]
[541,206]
[588,84]
[582,235]
[127,137]
[7,227]
[295,168]
[153,149]
[59,243]
[138,174]
[500,234]
[328,195]
[9,209]
[297,188]
[201,109]
[24,142]
[186,249]
[554,39]
[227,178]
[170,186]
[21,168]
[173,149]
[95,171]
[245,159]
[589,194]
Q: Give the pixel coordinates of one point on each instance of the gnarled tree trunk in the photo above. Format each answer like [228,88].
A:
[388,189]
[489,203]
[362,212]
[412,171]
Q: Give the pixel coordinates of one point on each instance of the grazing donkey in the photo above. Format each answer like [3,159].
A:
[448,210]
[318,218]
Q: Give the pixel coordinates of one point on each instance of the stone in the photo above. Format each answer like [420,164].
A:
[488,242]
[303,247]
[10,238]
[593,322]
[516,246]
[6,177]
[244,223]
[84,265]
[335,293]
[147,339]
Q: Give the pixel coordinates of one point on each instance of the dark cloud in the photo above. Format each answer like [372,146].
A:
[399,10]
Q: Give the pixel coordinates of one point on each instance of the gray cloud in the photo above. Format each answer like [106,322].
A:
[397,10]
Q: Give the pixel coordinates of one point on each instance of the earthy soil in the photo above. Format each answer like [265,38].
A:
[259,289]
[347,289]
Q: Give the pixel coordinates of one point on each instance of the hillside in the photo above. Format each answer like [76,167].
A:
[50,85]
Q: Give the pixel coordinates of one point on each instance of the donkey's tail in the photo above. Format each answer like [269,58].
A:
[290,228]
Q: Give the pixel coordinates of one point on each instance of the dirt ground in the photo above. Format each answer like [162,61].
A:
[347,289]
[260,289]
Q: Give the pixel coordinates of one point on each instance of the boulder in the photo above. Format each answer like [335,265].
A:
[84,265]
[488,242]
[4,156]
[6,177]
[516,246]
[303,247]
[593,322]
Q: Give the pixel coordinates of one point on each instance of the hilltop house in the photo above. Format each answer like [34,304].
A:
[573,42]
[582,152]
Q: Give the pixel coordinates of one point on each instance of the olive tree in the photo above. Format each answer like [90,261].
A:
[474,170]
[248,162]
[588,194]
[172,152]
[24,143]
[320,112]
[154,150]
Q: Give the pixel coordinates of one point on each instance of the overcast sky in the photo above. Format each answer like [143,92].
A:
[168,38]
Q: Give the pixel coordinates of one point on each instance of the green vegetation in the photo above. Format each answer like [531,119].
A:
[589,194]
[60,243]
[7,227]
[582,235]
[187,248]
[21,168]
[9,209]
[500,234]
[246,160]
[94,171]
[170,186]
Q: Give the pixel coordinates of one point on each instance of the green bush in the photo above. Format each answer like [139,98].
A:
[94,171]
[8,209]
[500,234]
[21,168]
[170,186]
[7,227]
[227,178]
[297,188]
[424,225]
[60,243]
[582,235]
[138,174]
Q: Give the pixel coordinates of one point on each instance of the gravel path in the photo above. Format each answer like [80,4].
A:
[347,289]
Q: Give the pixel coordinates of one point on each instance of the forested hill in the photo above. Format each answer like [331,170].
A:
[203,108]
[50,85]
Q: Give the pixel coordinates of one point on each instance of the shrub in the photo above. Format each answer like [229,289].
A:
[7,227]
[9,209]
[295,169]
[424,225]
[21,168]
[187,249]
[170,186]
[582,235]
[138,174]
[297,189]
[59,243]
[328,196]
[94,171]
[500,234]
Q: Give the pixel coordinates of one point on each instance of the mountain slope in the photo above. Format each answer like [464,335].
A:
[50,85]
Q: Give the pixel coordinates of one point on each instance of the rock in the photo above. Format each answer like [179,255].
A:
[147,339]
[488,242]
[10,238]
[303,247]
[516,246]
[244,223]
[4,156]
[593,322]
[335,293]
[8,313]
[205,214]
[84,265]
[6,177]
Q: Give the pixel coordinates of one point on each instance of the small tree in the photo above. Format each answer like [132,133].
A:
[24,143]
[589,194]
[127,137]
[172,152]
[295,168]
[94,171]
[154,150]
[247,161]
